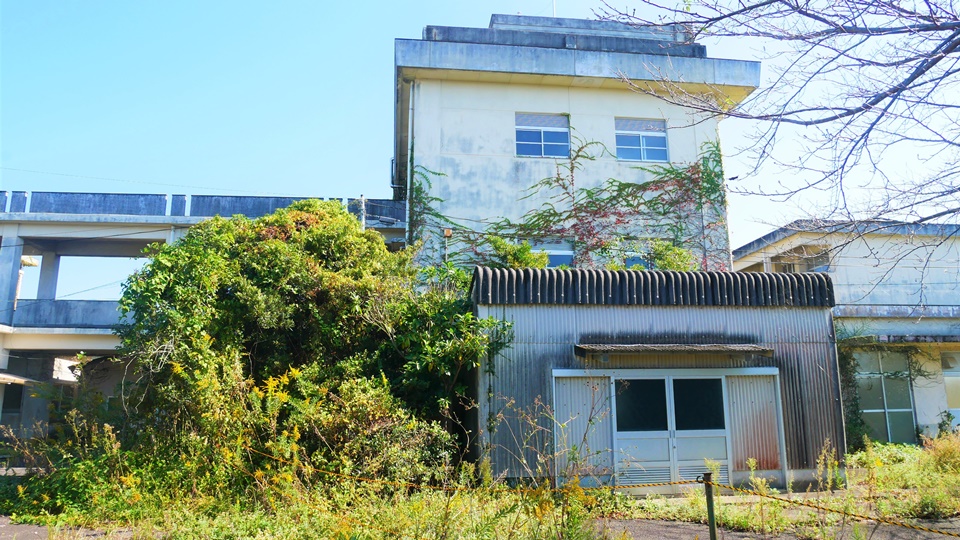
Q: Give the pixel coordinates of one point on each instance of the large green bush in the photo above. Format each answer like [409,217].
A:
[264,356]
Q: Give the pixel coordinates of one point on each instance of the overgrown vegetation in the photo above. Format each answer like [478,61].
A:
[671,217]
[264,358]
[892,481]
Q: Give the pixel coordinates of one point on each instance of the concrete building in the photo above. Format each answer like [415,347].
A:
[39,336]
[633,377]
[898,301]
[493,110]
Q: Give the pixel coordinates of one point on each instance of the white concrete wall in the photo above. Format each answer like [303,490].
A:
[892,285]
[466,131]
[898,270]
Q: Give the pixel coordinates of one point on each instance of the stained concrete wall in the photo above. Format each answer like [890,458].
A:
[467,132]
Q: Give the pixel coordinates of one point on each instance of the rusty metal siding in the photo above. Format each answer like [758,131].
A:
[544,336]
[649,288]
[753,425]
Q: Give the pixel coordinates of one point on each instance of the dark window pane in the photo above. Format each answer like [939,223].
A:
[525,135]
[641,405]
[556,137]
[628,153]
[557,259]
[876,425]
[698,403]
[897,392]
[556,150]
[655,155]
[527,149]
[902,428]
[628,140]
[12,398]
[870,392]
[894,362]
[654,142]
[867,362]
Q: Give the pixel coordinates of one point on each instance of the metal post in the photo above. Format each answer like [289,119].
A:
[711,516]
[363,213]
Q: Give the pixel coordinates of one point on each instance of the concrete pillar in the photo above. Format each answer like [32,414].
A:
[4,361]
[11,249]
[49,272]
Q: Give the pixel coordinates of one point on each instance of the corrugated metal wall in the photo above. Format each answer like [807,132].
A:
[753,422]
[584,427]
[802,339]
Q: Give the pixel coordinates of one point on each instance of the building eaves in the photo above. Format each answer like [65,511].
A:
[412,54]
[583,349]
[858,228]
[499,286]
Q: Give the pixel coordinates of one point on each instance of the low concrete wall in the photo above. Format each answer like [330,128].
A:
[66,314]
[126,204]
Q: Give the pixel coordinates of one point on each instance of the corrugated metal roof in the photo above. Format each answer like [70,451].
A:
[584,349]
[649,288]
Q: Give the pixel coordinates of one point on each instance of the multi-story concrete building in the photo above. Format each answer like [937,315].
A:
[41,334]
[494,110]
[898,304]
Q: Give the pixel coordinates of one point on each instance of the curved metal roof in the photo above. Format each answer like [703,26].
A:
[649,288]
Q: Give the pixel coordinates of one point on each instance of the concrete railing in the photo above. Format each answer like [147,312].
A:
[101,314]
[383,211]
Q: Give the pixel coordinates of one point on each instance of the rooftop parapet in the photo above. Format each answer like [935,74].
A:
[579,34]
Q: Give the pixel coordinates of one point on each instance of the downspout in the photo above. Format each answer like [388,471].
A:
[410,163]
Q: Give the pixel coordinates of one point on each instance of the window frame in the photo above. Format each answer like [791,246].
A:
[542,144]
[951,373]
[883,375]
[643,149]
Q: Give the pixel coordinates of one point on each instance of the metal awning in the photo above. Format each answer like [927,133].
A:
[584,349]
[7,378]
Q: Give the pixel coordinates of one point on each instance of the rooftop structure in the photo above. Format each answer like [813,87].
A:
[491,110]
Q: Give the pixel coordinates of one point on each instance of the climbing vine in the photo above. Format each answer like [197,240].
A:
[683,205]
[852,341]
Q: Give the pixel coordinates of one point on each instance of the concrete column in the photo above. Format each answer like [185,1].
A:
[49,272]
[11,249]
[4,362]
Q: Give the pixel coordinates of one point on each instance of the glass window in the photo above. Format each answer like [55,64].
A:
[641,405]
[952,382]
[543,135]
[559,258]
[886,398]
[698,403]
[641,140]
[12,398]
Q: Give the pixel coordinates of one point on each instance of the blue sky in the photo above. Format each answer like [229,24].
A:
[238,97]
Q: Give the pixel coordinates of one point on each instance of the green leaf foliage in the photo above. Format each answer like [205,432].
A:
[264,355]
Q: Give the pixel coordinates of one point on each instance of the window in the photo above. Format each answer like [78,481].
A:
[641,140]
[951,382]
[559,253]
[543,135]
[886,399]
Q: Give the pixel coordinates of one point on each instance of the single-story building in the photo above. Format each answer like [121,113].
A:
[635,377]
